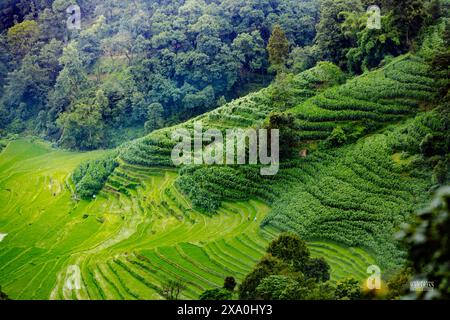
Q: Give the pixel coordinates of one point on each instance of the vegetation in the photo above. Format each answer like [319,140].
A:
[136,63]
[90,176]
[363,116]
[428,246]
[287,272]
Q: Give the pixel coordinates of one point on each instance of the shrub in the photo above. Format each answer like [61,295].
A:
[90,177]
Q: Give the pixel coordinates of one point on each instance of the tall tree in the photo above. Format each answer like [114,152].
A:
[82,128]
[278,48]
[332,43]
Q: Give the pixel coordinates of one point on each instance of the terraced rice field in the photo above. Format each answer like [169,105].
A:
[387,95]
[136,234]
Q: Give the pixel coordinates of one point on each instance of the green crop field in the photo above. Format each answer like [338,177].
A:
[125,245]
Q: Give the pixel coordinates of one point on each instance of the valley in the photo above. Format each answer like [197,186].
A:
[125,246]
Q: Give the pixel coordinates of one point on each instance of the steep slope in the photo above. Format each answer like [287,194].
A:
[249,111]
[353,195]
[123,246]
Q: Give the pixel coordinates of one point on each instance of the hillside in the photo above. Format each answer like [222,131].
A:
[92,206]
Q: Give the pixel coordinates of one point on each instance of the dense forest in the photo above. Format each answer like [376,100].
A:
[133,64]
[146,64]
[87,115]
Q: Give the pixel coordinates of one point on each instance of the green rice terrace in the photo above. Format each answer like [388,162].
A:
[150,223]
[124,246]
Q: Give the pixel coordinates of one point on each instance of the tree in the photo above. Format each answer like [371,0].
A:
[279,287]
[337,137]
[216,294]
[229,283]
[267,266]
[409,16]
[435,144]
[250,49]
[440,172]
[285,122]
[317,269]
[4,62]
[82,128]
[3,296]
[89,42]
[372,45]
[172,289]
[429,246]
[73,78]
[154,117]
[278,48]
[225,293]
[440,57]
[332,43]
[302,58]
[399,284]
[434,10]
[22,37]
[348,289]
[290,249]
[288,273]
[281,92]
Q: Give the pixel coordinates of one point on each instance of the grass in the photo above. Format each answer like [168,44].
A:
[125,244]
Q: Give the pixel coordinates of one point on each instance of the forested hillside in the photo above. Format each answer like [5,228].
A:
[135,63]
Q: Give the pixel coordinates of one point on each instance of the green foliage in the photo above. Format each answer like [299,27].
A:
[428,244]
[399,284]
[278,48]
[317,269]
[290,249]
[302,58]
[373,45]
[349,289]
[285,122]
[216,294]
[337,137]
[90,177]
[279,287]
[22,37]
[81,128]
[332,43]
[229,283]
[184,56]
[3,296]
[383,193]
[154,117]
[252,54]
[266,267]
[249,111]
[286,273]
[172,289]
[441,172]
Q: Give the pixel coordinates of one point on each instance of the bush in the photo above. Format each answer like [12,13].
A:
[336,138]
[440,172]
[349,289]
[216,294]
[90,177]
